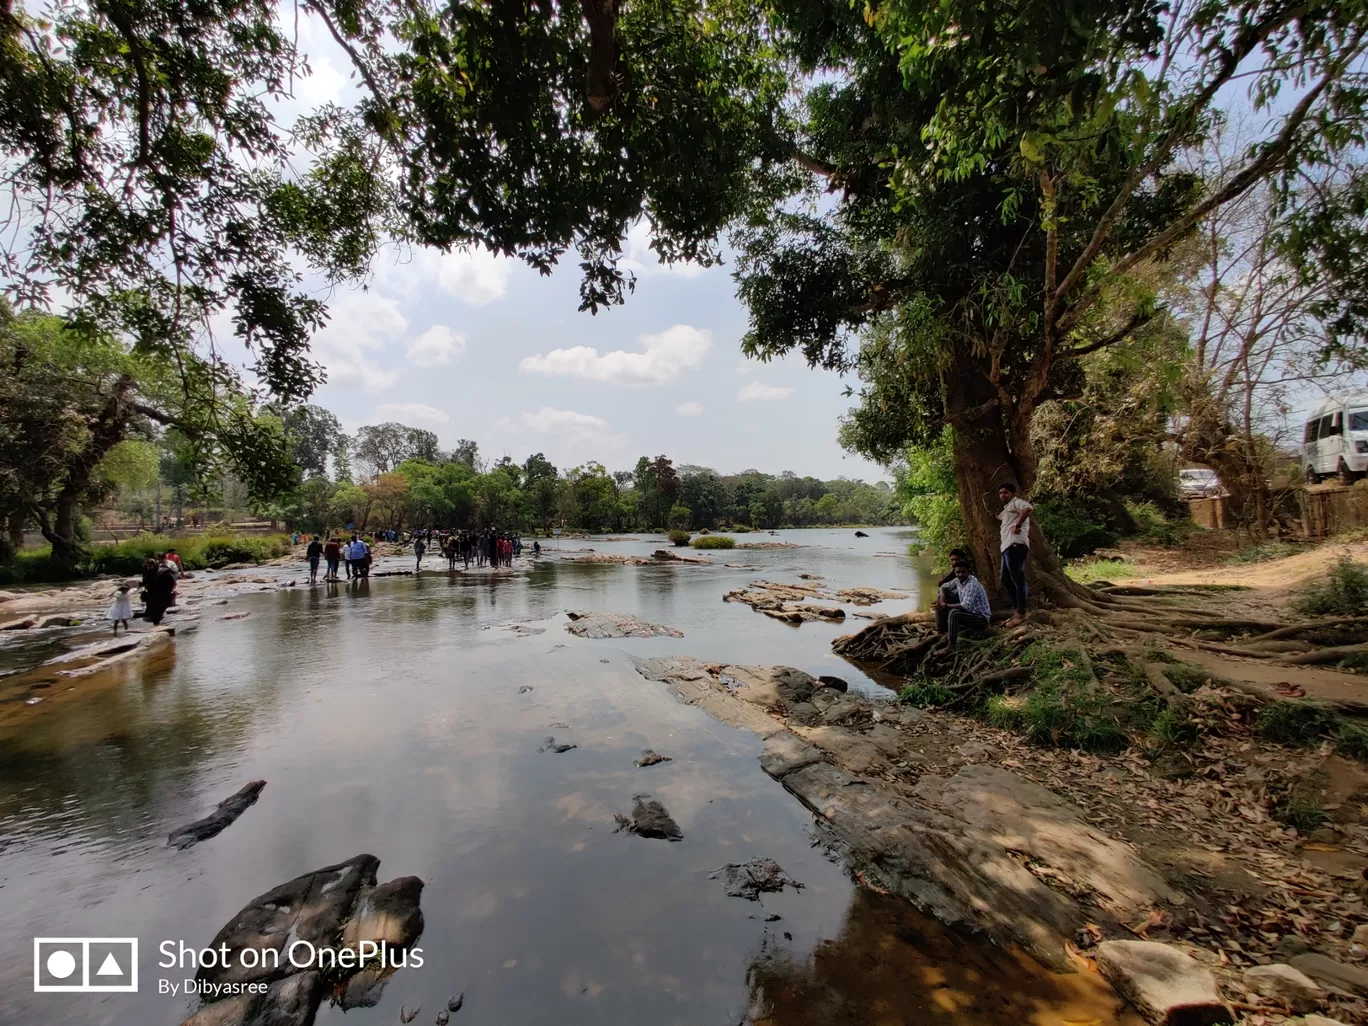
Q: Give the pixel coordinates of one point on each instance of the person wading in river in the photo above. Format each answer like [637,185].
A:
[314,553]
[1015,521]
[332,552]
[419,547]
[971,612]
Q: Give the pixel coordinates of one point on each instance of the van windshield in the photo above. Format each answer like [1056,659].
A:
[1358,420]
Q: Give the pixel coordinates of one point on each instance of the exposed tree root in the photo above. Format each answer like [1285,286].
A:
[1158,679]
[1323,655]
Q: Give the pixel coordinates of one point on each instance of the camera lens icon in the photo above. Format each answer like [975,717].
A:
[85,965]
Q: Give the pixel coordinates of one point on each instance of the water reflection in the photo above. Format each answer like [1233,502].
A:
[891,966]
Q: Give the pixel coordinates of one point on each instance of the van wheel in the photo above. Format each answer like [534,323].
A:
[1346,476]
[1311,476]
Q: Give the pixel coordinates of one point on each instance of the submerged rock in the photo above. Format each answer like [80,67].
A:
[616,625]
[650,758]
[223,816]
[754,877]
[551,746]
[649,819]
[1167,986]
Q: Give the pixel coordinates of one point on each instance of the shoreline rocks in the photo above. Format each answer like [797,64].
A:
[1165,985]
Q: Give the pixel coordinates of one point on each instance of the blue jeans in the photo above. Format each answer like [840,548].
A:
[1014,574]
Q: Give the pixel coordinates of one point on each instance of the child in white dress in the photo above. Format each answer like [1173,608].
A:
[121,611]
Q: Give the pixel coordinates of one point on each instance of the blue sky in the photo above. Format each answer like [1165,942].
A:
[471,345]
[475,346]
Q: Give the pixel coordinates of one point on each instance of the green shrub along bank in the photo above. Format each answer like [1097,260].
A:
[679,537]
[1341,592]
[126,558]
[714,541]
[1106,703]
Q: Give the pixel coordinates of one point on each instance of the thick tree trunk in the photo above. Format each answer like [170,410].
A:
[991,450]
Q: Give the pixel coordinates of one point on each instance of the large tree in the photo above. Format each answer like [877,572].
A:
[69,397]
[1004,180]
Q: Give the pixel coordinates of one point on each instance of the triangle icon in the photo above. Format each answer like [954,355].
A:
[109,967]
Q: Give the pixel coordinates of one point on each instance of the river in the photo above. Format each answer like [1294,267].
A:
[392,717]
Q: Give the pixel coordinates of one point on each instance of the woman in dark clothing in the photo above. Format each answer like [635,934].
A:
[160,591]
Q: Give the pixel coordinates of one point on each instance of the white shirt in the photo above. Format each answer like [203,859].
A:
[1007,518]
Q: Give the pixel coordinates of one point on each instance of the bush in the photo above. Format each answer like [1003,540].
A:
[1151,524]
[714,541]
[679,537]
[1342,592]
[1263,553]
[926,694]
[1072,528]
[739,529]
[126,558]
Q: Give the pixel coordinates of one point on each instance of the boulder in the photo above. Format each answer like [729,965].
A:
[754,877]
[1330,973]
[1167,986]
[1283,983]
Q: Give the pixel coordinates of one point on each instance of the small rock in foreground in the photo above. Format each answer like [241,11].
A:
[649,819]
[1167,986]
[650,758]
[752,878]
[1283,983]
[551,746]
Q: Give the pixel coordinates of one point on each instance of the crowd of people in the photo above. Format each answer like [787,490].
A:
[354,555]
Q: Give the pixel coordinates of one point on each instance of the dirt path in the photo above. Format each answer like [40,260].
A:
[1278,575]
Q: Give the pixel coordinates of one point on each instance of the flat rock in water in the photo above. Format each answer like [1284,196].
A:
[388,914]
[754,877]
[1167,986]
[551,746]
[650,758]
[649,819]
[223,816]
[616,625]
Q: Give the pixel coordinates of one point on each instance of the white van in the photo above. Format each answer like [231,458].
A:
[1335,438]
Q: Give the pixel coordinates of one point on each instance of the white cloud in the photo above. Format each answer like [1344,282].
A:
[639,258]
[759,390]
[413,414]
[689,409]
[570,426]
[474,276]
[437,346]
[663,358]
[359,324]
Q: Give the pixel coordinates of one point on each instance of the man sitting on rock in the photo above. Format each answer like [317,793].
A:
[946,592]
[970,612]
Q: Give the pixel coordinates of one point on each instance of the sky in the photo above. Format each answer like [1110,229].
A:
[471,345]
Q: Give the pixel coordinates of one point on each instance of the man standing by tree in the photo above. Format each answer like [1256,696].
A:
[1015,519]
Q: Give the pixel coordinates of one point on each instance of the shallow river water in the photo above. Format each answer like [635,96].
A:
[387,717]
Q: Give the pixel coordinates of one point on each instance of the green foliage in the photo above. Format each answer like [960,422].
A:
[679,537]
[1072,530]
[1300,811]
[926,694]
[1151,523]
[925,487]
[1296,723]
[1065,707]
[714,541]
[1342,592]
[1093,570]
[127,557]
[1172,728]
[1263,552]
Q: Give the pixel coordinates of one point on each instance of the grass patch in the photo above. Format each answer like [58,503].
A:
[1303,724]
[714,541]
[1341,592]
[1298,811]
[1091,571]
[1175,729]
[126,558]
[679,537]
[1263,553]
[926,694]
